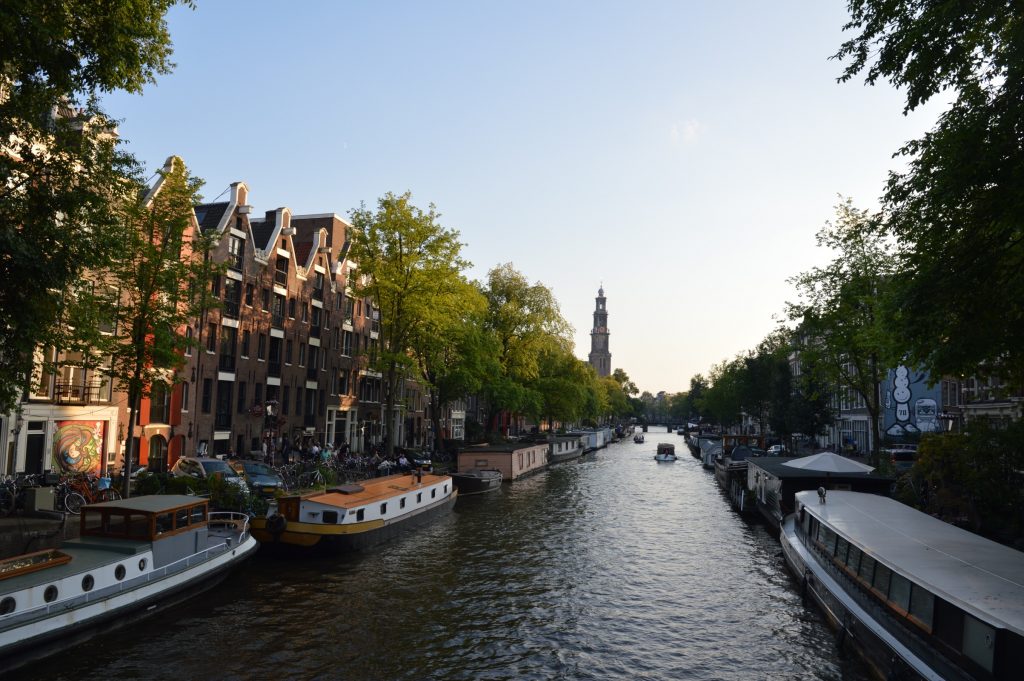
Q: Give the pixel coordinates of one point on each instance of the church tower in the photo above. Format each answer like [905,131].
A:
[600,358]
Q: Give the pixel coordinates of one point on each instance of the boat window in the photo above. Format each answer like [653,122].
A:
[119,572]
[50,595]
[841,547]
[383,509]
[138,525]
[401,503]
[899,591]
[359,514]
[181,518]
[164,523]
[446,489]
[330,517]
[419,497]
[433,493]
[88,583]
[198,514]
[922,603]
[867,568]
[853,560]
[979,642]
[881,579]
[94,523]
[142,564]
[7,605]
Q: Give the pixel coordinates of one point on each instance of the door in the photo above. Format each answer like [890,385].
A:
[34,449]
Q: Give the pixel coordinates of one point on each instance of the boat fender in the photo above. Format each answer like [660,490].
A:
[276,523]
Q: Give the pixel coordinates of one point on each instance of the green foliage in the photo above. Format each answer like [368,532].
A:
[409,266]
[843,335]
[975,478]
[62,175]
[955,212]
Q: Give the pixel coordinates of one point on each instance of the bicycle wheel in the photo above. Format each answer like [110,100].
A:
[74,502]
[109,495]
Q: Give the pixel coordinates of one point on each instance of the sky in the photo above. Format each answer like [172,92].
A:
[681,154]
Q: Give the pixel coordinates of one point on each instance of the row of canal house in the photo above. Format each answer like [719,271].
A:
[281,361]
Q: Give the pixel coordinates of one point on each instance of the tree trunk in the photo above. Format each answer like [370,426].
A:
[435,419]
[129,446]
[389,412]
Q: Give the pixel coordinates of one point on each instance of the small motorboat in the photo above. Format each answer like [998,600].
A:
[666,452]
[476,481]
[638,438]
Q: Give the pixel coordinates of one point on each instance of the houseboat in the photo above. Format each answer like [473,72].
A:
[565,448]
[514,460]
[731,474]
[666,452]
[476,481]
[354,516]
[133,557]
[917,598]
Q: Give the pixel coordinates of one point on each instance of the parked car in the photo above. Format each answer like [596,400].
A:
[260,477]
[777,450]
[196,467]
[901,458]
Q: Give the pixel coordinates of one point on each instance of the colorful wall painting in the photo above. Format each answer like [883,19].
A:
[78,447]
[910,407]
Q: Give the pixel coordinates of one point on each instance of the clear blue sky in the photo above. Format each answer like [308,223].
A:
[682,153]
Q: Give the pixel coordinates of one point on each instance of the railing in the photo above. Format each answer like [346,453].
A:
[78,393]
[227,363]
[230,309]
[236,260]
[277,320]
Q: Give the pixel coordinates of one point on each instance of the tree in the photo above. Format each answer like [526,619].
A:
[722,399]
[157,285]
[525,321]
[61,172]
[562,385]
[846,342]
[454,353]
[407,263]
[956,210]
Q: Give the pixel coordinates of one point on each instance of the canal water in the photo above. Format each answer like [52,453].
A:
[611,567]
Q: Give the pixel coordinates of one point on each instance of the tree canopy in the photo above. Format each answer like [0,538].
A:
[956,211]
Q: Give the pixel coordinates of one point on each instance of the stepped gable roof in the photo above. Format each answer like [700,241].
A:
[209,215]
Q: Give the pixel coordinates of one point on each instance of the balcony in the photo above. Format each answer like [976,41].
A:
[277,320]
[80,393]
[230,309]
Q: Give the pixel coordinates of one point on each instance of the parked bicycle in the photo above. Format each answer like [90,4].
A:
[75,492]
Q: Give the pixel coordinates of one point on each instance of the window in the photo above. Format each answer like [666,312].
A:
[383,509]
[419,497]
[236,251]
[249,290]
[245,343]
[359,514]
[302,354]
[305,313]
[979,642]
[867,568]
[346,344]
[185,390]
[261,347]
[881,579]
[188,341]
[265,295]
[899,591]
[159,403]
[433,493]
[215,286]
[207,395]
[288,352]
[257,394]
[211,337]
[241,397]
[291,308]
[922,604]
[401,503]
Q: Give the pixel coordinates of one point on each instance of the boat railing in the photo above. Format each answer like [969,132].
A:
[233,519]
[180,565]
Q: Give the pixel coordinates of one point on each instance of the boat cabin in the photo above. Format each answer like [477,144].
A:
[146,518]
[666,448]
[960,593]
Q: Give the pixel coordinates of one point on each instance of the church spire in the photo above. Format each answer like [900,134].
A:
[600,357]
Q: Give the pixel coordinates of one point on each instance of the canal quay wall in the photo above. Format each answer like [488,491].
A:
[24,534]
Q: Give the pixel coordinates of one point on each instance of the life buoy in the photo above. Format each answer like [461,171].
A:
[276,523]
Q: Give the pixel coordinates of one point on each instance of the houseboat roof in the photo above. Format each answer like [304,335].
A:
[776,466]
[510,447]
[152,503]
[975,574]
[376,489]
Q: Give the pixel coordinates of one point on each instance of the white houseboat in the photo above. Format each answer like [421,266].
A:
[354,516]
[134,557]
[916,597]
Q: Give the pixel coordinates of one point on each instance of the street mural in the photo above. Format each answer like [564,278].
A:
[78,447]
[910,407]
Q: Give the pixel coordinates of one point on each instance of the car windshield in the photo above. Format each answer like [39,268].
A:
[254,468]
[212,467]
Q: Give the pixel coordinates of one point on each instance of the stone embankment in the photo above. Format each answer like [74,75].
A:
[23,534]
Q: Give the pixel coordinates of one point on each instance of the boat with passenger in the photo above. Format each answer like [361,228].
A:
[666,452]
[638,438]
[918,598]
[133,557]
[357,515]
